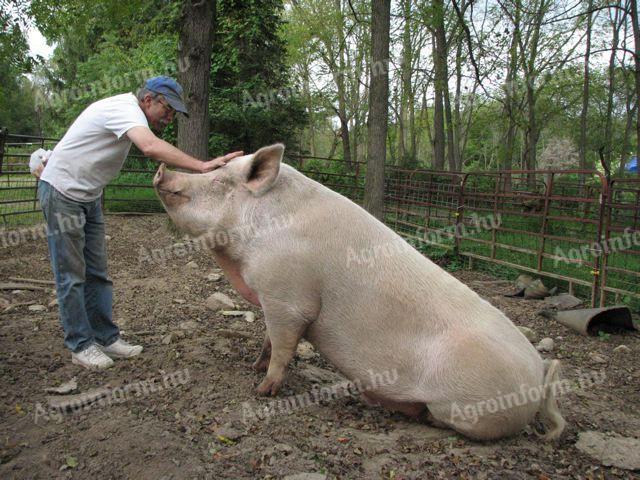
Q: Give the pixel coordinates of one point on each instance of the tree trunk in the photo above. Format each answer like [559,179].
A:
[532,135]
[585,94]
[378,107]
[453,166]
[439,86]
[457,115]
[399,111]
[194,60]
[427,125]
[627,133]
[506,162]
[608,146]
[636,41]
[342,101]
[413,146]
[307,95]
[405,77]
[529,64]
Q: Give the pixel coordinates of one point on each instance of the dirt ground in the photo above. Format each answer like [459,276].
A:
[208,424]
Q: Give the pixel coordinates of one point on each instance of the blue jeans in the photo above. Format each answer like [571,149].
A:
[76,238]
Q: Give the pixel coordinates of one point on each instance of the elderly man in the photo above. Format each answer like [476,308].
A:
[87,158]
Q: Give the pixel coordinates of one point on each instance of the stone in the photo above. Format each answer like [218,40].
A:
[545,345]
[192,265]
[598,358]
[306,476]
[611,449]
[238,325]
[214,277]
[219,301]
[53,303]
[529,333]
[564,301]
[229,432]
[188,325]
[65,388]
[250,317]
[179,301]
[622,349]
[232,313]
[305,350]
[166,340]
[37,308]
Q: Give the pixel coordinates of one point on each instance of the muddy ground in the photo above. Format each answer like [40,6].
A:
[207,422]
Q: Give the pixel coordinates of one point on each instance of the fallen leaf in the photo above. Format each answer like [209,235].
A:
[225,440]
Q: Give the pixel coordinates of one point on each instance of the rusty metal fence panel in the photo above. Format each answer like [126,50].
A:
[620,249]
[131,191]
[342,177]
[422,205]
[18,188]
[539,219]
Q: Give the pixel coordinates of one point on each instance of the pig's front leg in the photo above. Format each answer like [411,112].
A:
[285,328]
[262,363]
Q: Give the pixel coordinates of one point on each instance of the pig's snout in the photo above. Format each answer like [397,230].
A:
[159,177]
[171,187]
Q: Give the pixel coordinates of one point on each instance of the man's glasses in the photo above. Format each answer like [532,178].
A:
[169,111]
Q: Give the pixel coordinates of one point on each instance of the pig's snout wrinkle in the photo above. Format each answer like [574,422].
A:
[157,180]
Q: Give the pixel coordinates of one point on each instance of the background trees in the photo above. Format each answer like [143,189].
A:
[473,84]
[232,65]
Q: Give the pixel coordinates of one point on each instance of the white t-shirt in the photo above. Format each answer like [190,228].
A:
[94,148]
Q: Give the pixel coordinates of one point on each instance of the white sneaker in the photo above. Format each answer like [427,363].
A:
[121,349]
[92,358]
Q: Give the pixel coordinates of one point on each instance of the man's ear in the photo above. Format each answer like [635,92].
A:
[264,168]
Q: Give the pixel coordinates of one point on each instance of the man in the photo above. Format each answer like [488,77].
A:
[87,158]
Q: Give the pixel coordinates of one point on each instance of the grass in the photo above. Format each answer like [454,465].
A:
[21,191]
[118,198]
[586,233]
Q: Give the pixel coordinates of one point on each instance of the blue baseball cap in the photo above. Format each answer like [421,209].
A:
[169,89]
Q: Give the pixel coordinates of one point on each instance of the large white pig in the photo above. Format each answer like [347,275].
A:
[456,360]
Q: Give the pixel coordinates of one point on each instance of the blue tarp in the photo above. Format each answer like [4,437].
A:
[632,165]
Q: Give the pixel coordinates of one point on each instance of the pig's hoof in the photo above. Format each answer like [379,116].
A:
[261,365]
[269,386]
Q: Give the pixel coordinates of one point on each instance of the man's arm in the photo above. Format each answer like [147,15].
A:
[156,148]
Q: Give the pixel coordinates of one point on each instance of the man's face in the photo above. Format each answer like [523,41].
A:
[158,112]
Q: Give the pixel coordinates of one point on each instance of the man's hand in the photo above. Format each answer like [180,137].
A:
[219,161]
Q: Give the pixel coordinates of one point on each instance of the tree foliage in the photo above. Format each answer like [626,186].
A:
[251,103]
[109,47]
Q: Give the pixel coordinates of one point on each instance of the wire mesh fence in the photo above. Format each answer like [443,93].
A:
[571,226]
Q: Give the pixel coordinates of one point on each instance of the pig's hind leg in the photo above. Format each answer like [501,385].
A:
[285,327]
[410,409]
[262,363]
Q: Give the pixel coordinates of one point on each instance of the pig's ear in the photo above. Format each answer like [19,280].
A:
[264,168]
